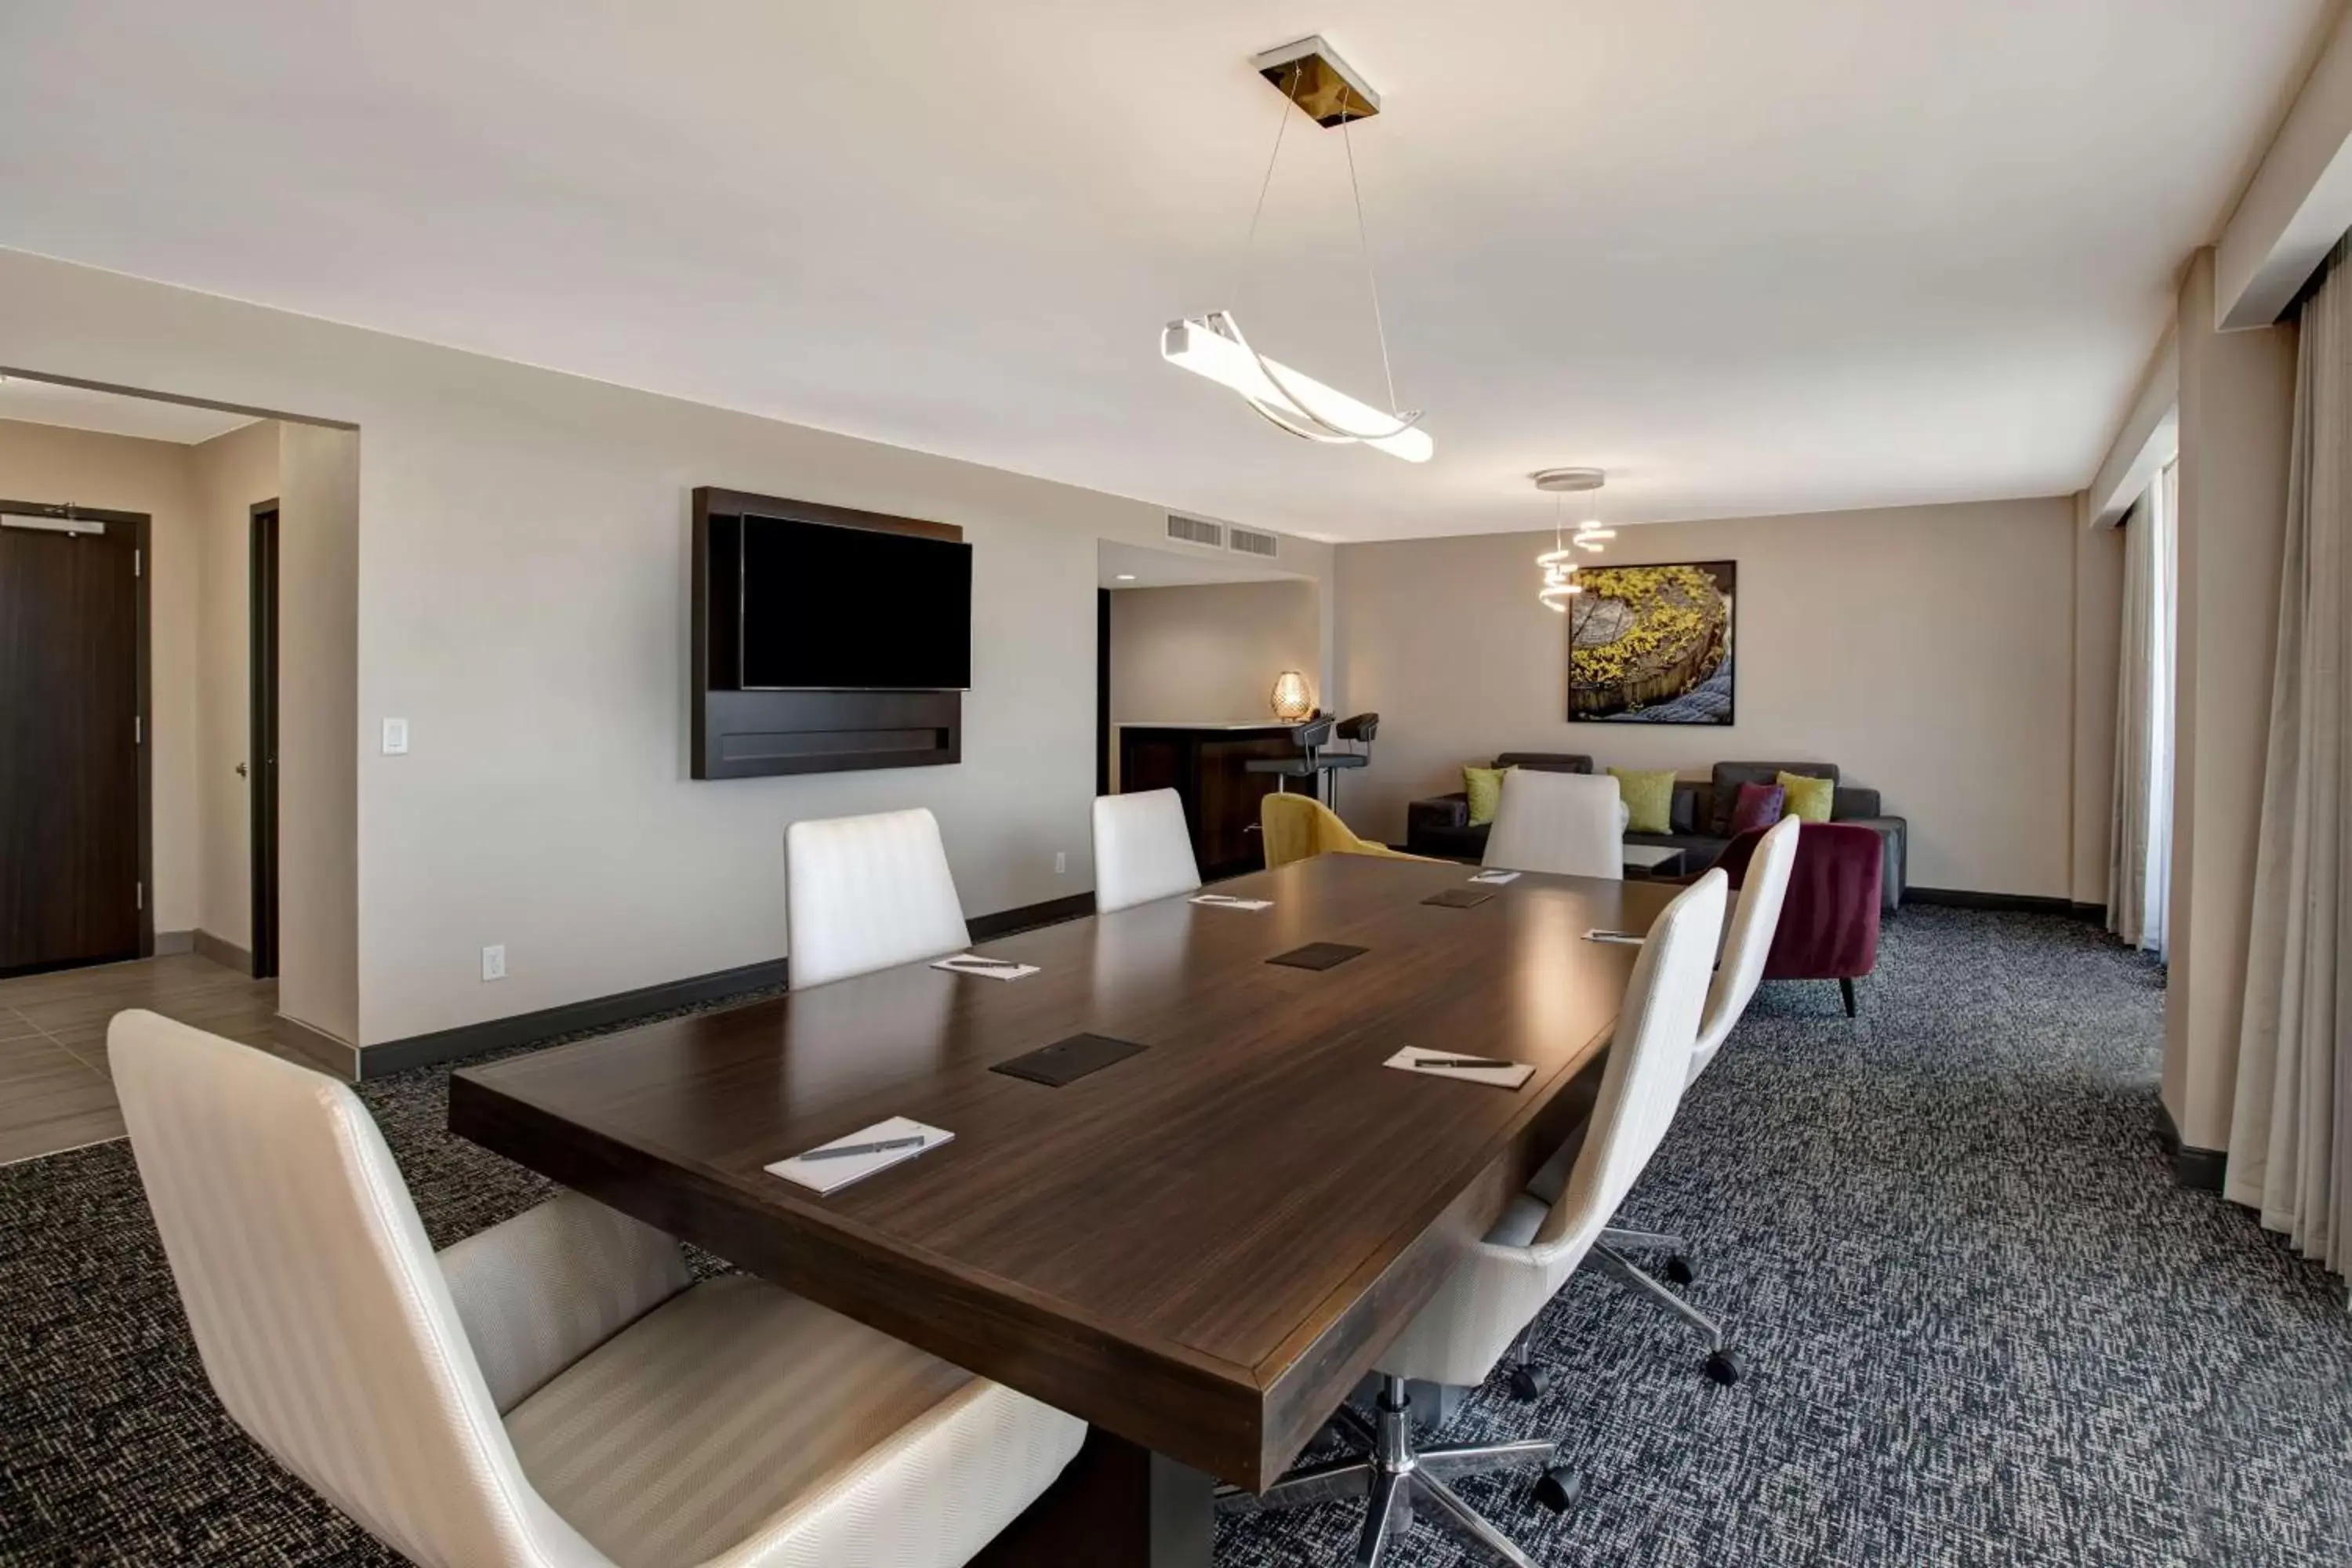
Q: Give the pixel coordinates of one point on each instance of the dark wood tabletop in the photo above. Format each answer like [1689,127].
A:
[1200,1248]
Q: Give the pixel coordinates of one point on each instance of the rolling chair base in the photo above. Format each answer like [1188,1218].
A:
[1396,1481]
[1529,1380]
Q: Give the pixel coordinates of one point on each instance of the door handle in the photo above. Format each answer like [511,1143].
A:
[240,770]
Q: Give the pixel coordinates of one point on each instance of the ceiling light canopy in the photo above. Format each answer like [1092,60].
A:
[1316,82]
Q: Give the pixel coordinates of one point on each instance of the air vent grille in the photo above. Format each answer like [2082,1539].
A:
[1249,542]
[1195,530]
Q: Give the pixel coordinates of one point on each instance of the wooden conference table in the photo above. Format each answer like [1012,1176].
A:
[1200,1250]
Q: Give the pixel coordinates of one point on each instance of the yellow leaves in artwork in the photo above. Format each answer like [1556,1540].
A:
[1664,618]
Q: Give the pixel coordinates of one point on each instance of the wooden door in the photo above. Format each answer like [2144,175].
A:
[71,744]
[262,763]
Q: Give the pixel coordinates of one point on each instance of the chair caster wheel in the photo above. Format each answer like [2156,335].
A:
[1724,1367]
[1529,1383]
[1560,1488]
[1679,1269]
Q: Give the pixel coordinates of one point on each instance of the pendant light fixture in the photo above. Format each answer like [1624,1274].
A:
[1318,83]
[1559,563]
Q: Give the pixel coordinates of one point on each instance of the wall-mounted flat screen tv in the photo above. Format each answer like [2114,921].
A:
[827,607]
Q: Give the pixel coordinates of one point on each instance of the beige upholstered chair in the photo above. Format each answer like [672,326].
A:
[862,893]
[1745,947]
[1754,919]
[1484,1308]
[1571,824]
[1142,850]
[552,1393]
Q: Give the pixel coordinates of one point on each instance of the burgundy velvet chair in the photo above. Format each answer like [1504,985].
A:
[1829,926]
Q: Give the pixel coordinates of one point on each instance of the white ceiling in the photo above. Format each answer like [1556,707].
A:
[1752,258]
[1119,565]
[78,408]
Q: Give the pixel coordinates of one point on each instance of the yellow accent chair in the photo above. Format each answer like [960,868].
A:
[1300,826]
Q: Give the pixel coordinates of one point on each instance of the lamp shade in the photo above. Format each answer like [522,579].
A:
[1290,697]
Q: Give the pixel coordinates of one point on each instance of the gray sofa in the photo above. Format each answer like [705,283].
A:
[1700,820]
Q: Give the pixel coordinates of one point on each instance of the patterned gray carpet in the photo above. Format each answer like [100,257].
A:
[1985,1328]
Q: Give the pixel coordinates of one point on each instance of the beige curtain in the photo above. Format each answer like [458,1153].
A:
[2139,847]
[2291,1133]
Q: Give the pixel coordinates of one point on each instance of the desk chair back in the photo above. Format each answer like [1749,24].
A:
[862,893]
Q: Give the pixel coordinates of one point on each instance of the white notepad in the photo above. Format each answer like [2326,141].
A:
[830,1175]
[1227,901]
[1509,1077]
[1497,874]
[1620,938]
[986,968]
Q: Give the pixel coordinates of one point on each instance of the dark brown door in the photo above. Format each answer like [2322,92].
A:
[263,745]
[71,734]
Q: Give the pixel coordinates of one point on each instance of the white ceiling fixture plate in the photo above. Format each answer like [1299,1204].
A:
[1321,86]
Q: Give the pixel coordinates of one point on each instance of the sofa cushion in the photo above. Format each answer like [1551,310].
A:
[1808,798]
[1729,776]
[1758,806]
[1483,786]
[1684,815]
[1854,802]
[1547,761]
[1649,797]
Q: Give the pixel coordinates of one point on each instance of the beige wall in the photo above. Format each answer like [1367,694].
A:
[2237,402]
[319,852]
[45,464]
[231,473]
[1929,651]
[1209,654]
[522,602]
[2098,653]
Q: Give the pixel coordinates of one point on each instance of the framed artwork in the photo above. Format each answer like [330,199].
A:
[1653,645]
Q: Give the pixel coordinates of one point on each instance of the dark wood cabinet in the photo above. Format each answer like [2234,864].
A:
[1204,764]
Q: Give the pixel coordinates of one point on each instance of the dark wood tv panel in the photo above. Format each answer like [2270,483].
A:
[746,734]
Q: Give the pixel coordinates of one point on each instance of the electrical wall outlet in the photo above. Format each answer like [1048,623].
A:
[395,737]
[494,963]
[1061,862]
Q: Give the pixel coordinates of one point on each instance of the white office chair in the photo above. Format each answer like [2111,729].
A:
[1142,850]
[1484,1308]
[1572,824]
[551,1392]
[862,893]
[1754,919]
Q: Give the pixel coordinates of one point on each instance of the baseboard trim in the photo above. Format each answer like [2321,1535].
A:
[220,950]
[2006,903]
[571,1017]
[2198,1169]
[649,1001]
[170,942]
[1029,917]
[322,1050]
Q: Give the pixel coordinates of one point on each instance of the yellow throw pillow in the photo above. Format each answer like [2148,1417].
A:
[1649,797]
[1484,788]
[1808,798]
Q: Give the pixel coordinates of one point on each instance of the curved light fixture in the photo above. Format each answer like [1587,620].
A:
[1213,346]
[1319,84]
[1559,563]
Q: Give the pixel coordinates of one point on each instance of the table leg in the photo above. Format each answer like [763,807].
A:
[1116,1506]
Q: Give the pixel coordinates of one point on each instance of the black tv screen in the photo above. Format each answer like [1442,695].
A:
[829,607]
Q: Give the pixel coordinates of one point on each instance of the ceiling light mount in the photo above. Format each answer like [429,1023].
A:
[1311,75]
[1570,482]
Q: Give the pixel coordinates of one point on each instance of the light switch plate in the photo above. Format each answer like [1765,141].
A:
[395,737]
[494,963]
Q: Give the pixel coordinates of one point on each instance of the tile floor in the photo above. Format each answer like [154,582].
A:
[55,1090]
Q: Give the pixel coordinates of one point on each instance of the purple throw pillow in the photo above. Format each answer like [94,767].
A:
[1758,805]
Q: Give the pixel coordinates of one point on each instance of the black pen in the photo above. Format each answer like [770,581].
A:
[1612,936]
[844,1151]
[1461,1062]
